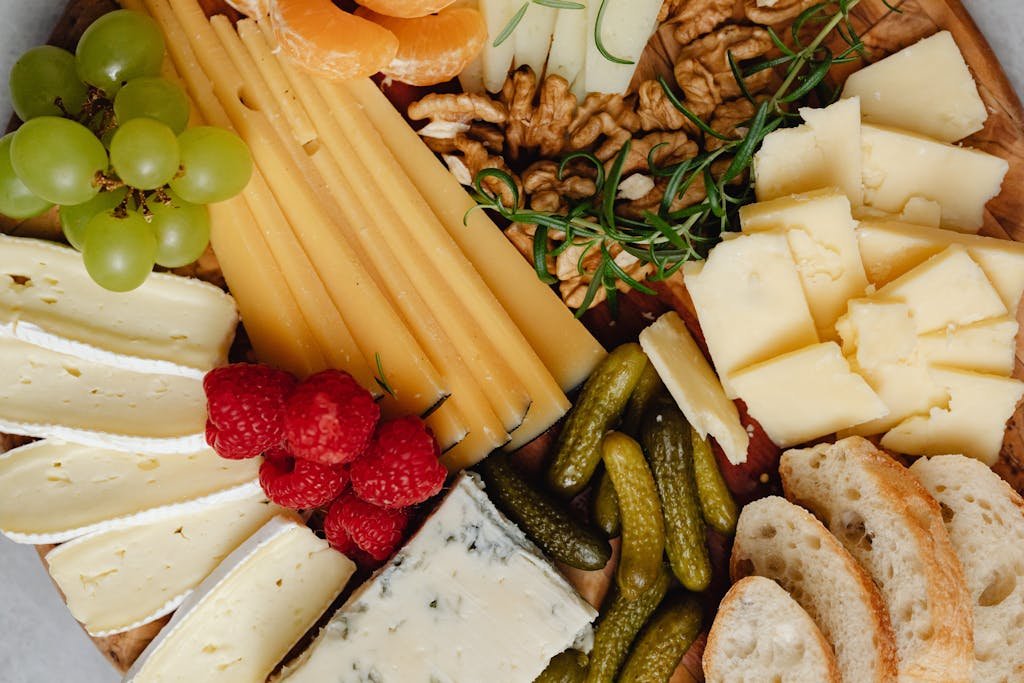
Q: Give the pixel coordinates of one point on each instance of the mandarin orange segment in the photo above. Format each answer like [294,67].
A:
[329,41]
[435,48]
[405,9]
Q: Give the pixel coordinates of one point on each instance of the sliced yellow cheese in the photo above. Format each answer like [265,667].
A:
[693,384]
[987,347]
[918,211]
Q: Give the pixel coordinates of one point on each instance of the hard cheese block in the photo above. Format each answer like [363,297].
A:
[120,579]
[169,325]
[244,618]
[693,384]
[926,88]
[468,599]
[987,347]
[807,394]
[55,491]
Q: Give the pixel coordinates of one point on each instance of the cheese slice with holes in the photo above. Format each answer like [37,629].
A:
[988,346]
[169,325]
[120,579]
[242,620]
[55,491]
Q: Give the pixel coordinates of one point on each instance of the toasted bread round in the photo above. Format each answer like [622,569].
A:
[985,520]
[761,635]
[784,542]
[894,529]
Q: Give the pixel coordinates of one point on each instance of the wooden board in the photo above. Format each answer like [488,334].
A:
[883,32]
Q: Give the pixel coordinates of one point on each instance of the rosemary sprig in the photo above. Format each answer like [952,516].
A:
[517,18]
[381,378]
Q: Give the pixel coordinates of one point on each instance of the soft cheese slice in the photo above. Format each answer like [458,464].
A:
[926,88]
[987,347]
[949,289]
[244,617]
[807,394]
[891,249]
[50,394]
[533,37]
[749,283]
[820,230]
[973,424]
[497,59]
[169,325]
[468,599]
[693,384]
[569,45]
[624,29]
[120,579]
[824,152]
[899,166]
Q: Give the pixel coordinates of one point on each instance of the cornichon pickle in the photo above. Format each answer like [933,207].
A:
[663,642]
[606,506]
[568,667]
[716,501]
[620,621]
[648,386]
[545,520]
[643,528]
[667,442]
[598,407]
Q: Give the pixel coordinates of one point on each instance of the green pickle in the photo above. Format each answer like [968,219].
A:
[567,667]
[606,506]
[663,642]
[716,501]
[597,409]
[643,529]
[647,388]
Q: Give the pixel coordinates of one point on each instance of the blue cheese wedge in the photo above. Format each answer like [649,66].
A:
[244,618]
[170,325]
[55,491]
[120,579]
[468,599]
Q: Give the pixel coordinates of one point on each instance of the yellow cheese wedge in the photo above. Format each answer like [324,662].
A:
[987,347]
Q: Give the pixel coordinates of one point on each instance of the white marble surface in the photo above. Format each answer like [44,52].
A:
[39,641]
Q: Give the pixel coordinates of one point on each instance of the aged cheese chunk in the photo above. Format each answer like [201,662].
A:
[244,617]
[918,211]
[693,384]
[820,231]
[749,283]
[533,37]
[624,30]
[926,88]
[120,579]
[55,491]
[973,424]
[568,54]
[891,249]
[987,347]
[468,599]
[947,289]
[823,152]
[899,166]
[806,394]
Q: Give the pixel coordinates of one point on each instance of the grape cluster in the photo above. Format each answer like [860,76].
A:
[105,138]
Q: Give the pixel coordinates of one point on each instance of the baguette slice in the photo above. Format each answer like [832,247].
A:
[985,520]
[782,541]
[890,524]
[761,635]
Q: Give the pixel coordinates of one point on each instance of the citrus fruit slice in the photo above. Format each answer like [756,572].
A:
[405,9]
[432,49]
[329,41]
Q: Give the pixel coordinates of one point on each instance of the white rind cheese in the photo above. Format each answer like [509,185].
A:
[118,580]
[468,599]
[56,491]
[243,618]
[169,325]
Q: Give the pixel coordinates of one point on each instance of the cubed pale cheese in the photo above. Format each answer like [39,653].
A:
[973,424]
[949,289]
[569,46]
[926,88]
[823,152]
[806,394]
[625,28]
[987,347]
[693,384]
[820,231]
[749,283]
[899,166]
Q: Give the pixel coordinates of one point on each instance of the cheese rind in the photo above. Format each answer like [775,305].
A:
[987,347]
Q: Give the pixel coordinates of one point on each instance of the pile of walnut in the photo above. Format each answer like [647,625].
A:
[527,128]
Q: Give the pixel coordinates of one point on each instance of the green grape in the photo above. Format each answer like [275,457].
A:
[144,153]
[119,47]
[39,77]
[73,219]
[182,231]
[16,200]
[58,159]
[216,164]
[153,98]
[119,253]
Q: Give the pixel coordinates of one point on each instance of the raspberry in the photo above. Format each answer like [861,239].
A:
[300,484]
[401,468]
[375,530]
[245,403]
[329,418]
